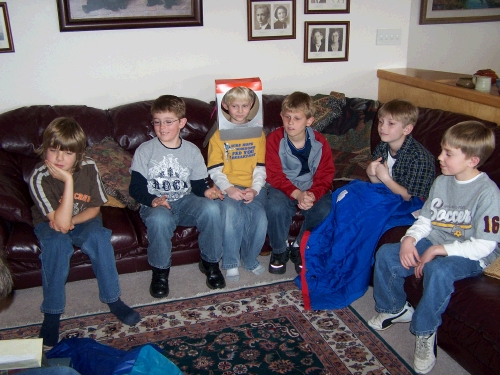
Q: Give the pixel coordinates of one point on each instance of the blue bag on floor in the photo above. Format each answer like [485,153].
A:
[89,357]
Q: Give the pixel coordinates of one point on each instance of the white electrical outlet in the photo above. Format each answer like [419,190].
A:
[388,36]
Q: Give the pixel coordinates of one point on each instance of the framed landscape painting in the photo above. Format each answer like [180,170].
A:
[84,15]
[6,43]
[326,41]
[458,11]
[269,20]
[326,6]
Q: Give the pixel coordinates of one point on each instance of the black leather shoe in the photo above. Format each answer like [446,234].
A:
[215,279]
[295,258]
[277,263]
[159,283]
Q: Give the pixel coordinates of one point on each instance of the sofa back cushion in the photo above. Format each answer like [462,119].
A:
[132,123]
[429,130]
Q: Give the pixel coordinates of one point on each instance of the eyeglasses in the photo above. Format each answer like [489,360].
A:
[165,122]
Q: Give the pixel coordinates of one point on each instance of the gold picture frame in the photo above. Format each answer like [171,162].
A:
[77,15]
[436,12]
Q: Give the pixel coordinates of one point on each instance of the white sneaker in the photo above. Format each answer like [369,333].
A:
[259,270]
[425,353]
[383,321]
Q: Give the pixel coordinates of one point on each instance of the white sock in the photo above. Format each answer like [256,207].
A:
[233,274]
[259,270]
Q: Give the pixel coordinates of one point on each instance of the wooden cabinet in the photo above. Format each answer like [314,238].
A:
[433,89]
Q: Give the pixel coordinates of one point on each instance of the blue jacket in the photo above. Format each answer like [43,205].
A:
[338,256]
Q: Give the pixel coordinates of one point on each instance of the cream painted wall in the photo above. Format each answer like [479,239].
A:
[458,48]
[108,68]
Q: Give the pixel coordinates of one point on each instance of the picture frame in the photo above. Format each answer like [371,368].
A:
[86,15]
[271,20]
[326,41]
[430,13]
[6,42]
[326,6]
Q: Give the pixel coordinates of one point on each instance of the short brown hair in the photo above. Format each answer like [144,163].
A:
[299,101]
[169,103]
[473,138]
[64,134]
[400,110]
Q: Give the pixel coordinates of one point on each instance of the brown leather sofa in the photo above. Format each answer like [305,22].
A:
[469,333]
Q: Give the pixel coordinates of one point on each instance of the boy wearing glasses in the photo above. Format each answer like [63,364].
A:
[169,180]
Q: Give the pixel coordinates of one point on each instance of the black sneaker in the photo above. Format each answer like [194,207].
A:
[277,263]
[296,258]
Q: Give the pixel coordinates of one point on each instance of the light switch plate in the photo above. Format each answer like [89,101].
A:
[388,36]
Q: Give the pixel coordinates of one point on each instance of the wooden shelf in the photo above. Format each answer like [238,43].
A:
[433,89]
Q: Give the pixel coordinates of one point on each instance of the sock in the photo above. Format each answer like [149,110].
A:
[233,274]
[259,270]
[49,331]
[124,313]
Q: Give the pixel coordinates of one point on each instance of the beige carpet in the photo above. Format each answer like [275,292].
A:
[82,298]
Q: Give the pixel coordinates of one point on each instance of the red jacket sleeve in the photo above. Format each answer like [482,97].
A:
[323,178]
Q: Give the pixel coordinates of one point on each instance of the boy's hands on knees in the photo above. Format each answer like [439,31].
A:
[249,195]
[408,253]
[160,201]
[214,193]
[235,193]
[427,256]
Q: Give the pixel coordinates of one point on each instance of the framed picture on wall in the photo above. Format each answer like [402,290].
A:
[83,15]
[432,11]
[326,6]
[6,43]
[268,20]
[326,41]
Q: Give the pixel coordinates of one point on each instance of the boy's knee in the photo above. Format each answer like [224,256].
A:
[211,209]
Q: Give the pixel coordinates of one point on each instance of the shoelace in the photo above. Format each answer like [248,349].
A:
[423,347]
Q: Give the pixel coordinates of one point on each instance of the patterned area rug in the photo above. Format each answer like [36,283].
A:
[258,330]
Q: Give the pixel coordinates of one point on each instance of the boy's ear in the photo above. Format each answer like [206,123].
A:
[224,105]
[182,122]
[310,121]
[474,160]
[408,129]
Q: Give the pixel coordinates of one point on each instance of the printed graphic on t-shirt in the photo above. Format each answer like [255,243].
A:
[457,219]
[239,150]
[168,177]
[80,200]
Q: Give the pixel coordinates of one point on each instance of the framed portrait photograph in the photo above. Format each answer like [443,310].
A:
[326,41]
[449,11]
[84,15]
[326,6]
[6,43]
[268,20]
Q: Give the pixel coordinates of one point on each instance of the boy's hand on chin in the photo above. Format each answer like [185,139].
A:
[58,173]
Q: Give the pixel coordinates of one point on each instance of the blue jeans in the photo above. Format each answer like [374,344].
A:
[280,210]
[244,231]
[189,211]
[57,250]
[439,277]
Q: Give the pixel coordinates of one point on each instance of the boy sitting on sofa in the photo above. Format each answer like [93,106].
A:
[169,180]
[300,172]
[399,161]
[454,238]
[241,175]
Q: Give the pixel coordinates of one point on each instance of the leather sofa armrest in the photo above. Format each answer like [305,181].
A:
[4,235]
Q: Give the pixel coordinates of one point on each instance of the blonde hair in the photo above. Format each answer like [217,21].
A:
[400,110]
[473,138]
[64,134]
[239,92]
[169,103]
[299,101]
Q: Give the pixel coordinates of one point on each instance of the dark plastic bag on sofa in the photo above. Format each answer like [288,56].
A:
[88,357]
